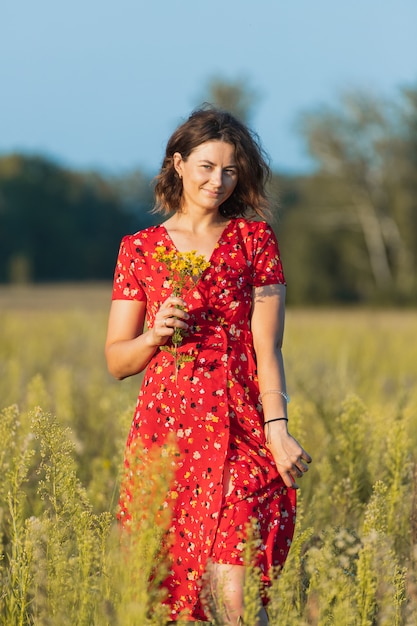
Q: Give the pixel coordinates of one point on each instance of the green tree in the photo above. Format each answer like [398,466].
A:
[360,151]
[235,96]
[57,224]
[313,258]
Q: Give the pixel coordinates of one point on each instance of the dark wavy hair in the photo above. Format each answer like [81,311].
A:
[212,124]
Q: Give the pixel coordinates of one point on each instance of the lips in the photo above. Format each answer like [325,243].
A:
[214,194]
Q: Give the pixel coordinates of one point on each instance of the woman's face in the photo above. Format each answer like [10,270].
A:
[209,175]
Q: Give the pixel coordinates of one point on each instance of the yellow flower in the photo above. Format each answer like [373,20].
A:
[185,269]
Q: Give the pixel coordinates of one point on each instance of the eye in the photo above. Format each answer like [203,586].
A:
[230,171]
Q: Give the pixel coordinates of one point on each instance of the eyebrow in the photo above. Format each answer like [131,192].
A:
[211,163]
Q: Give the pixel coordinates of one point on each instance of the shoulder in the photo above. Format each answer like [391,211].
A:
[142,238]
[254,229]
[252,226]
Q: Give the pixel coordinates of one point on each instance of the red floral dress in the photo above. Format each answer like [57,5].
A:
[213,409]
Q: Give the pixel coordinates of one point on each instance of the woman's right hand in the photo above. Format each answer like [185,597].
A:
[171,315]
[128,348]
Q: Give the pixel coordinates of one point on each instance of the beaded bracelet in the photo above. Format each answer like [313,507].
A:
[268,431]
[277,391]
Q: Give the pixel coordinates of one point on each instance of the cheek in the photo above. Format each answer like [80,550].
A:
[231,186]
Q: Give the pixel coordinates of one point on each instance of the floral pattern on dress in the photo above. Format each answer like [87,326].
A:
[214,410]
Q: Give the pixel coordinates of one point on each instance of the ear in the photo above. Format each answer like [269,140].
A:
[178,163]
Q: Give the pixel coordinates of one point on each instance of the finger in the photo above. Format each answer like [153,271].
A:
[288,477]
[290,482]
[168,322]
[171,309]
[176,322]
[301,466]
[297,472]
[172,322]
[305,456]
[174,301]
[179,313]
[296,465]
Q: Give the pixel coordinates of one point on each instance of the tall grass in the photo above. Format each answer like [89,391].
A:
[352,377]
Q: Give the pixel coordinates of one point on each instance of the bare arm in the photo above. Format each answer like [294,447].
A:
[267,322]
[128,347]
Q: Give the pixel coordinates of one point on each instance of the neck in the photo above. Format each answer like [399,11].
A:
[197,223]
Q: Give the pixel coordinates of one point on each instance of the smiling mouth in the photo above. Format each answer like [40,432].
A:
[215,194]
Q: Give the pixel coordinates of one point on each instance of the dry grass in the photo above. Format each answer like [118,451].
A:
[352,377]
[53,297]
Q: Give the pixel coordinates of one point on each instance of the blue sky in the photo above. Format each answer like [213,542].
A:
[102,84]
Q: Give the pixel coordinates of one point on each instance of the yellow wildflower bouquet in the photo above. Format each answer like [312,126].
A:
[185,270]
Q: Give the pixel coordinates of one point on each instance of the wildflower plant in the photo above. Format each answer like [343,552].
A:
[63,559]
[185,270]
[138,555]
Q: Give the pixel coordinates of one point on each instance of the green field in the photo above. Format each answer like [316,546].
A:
[352,378]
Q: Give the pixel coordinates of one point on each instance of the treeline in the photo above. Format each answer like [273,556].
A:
[348,231]
[60,225]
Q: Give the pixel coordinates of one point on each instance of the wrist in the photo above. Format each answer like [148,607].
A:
[150,340]
[279,423]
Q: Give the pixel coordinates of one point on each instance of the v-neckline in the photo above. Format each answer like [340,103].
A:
[216,245]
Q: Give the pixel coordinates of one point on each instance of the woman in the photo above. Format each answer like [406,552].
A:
[227,402]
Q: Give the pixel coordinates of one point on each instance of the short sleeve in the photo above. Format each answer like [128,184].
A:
[126,284]
[267,265]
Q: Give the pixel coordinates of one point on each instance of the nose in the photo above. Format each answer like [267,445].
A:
[216,177]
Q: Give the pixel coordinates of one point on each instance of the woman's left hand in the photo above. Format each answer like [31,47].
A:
[290,457]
